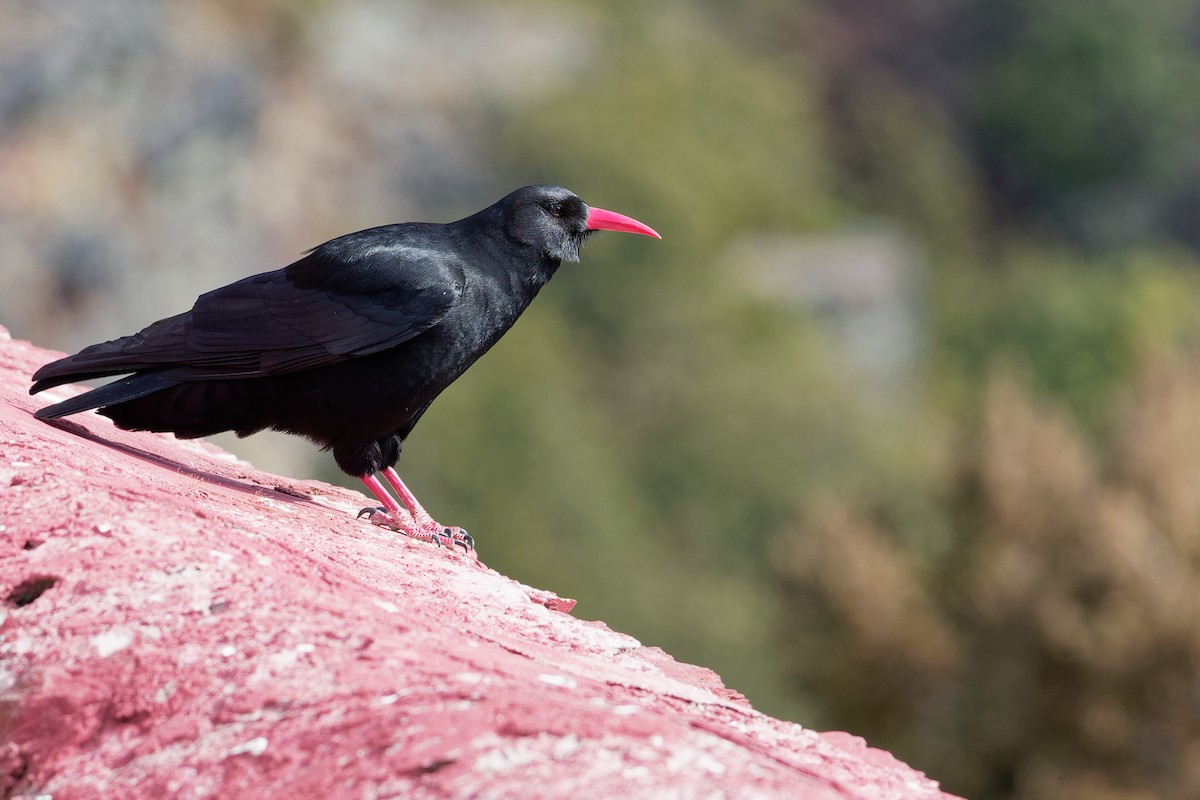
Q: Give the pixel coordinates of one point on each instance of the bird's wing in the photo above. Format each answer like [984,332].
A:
[273,324]
[321,310]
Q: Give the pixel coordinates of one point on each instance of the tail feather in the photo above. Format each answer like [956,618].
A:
[68,375]
[130,388]
[157,346]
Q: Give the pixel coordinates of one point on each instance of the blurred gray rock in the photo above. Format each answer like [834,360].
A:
[863,287]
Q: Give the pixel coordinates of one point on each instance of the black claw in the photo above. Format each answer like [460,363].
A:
[370,512]
[466,540]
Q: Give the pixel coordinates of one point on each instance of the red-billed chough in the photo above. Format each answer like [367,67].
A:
[347,346]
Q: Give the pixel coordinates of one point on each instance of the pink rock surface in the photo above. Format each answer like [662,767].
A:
[179,624]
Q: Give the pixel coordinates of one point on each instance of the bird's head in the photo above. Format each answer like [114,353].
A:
[556,221]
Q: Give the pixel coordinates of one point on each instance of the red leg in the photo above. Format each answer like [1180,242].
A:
[406,497]
[381,494]
[414,520]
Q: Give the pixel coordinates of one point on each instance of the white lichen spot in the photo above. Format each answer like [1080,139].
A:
[263,561]
[558,680]
[166,692]
[506,758]
[228,651]
[217,554]
[104,528]
[391,608]
[254,747]
[565,747]
[281,661]
[626,710]
[111,642]
[688,760]
[305,648]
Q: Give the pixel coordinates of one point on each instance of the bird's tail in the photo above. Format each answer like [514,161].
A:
[130,388]
[155,347]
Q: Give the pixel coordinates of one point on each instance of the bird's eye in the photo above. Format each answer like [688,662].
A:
[555,209]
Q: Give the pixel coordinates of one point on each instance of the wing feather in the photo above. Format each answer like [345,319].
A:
[330,306]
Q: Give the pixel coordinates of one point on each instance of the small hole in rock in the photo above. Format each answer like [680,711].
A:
[32,544]
[29,590]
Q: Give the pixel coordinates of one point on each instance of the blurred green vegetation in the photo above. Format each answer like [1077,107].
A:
[696,464]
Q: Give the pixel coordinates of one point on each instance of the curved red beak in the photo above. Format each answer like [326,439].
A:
[600,220]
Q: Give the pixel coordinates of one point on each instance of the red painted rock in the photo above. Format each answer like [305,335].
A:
[179,624]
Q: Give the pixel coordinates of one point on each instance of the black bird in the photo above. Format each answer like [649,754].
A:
[347,346]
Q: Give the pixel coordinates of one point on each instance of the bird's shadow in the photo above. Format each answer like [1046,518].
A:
[282,490]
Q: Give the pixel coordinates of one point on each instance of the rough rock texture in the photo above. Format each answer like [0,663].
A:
[179,624]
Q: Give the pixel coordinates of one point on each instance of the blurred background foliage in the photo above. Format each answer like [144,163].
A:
[898,428]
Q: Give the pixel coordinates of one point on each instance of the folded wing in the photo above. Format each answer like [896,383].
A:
[282,321]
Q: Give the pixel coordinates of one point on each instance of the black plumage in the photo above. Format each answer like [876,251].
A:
[347,346]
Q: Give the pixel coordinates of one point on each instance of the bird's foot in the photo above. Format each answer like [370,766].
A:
[426,530]
[449,536]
